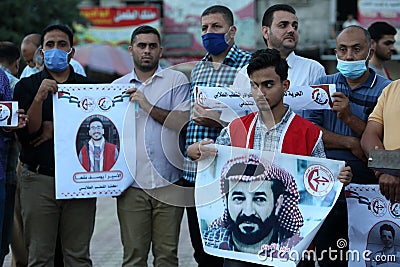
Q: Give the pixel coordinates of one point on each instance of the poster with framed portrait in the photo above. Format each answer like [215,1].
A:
[89,143]
[263,207]
[374,227]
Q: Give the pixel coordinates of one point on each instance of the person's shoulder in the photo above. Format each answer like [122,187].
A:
[309,61]
[244,118]
[83,79]
[382,81]
[28,82]
[306,123]
[329,79]
[172,72]
[123,79]
[110,145]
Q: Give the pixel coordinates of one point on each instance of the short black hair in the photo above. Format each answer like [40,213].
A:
[9,52]
[386,227]
[218,9]
[265,58]
[380,28]
[67,30]
[145,29]
[269,13]
[94,119]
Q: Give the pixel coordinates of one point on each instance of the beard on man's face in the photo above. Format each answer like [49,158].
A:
[250,230]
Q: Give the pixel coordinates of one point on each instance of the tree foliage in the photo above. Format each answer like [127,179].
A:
[21,17]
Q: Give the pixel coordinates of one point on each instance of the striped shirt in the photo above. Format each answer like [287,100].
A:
[363,99]
[205,74]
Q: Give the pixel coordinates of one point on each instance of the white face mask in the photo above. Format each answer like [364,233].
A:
[352,69]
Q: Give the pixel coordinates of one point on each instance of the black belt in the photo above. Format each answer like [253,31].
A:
[40,169]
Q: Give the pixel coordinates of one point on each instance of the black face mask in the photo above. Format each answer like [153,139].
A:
[264,228]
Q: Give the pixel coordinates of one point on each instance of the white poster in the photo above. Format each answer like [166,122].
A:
[263,207]
[89,149]
[374,227]
[8,113]
[233,102]
[310,97]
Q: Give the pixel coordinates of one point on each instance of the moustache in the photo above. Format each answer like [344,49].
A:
[248,219]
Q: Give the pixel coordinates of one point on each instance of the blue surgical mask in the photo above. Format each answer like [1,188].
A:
[215,43]
[56,60]
[352,69]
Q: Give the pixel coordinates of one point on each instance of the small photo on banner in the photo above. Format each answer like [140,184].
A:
[89,152]
[374,228]
[8,113]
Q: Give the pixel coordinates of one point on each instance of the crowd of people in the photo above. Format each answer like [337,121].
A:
[45,231]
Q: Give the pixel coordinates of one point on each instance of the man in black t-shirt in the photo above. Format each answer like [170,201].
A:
[43,215]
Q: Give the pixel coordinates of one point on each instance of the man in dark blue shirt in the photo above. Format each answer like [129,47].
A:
[357,90]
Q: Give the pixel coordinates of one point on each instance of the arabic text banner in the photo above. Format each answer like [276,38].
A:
[89,150]
[232,102]
[310,97]
[374,227]
[263,207]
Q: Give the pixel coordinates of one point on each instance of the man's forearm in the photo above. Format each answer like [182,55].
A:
[35,116]
[335,141]
[174,119]
[356,124]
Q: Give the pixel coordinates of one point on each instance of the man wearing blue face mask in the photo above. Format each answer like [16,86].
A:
[29,45]
[357,90]
[43,215]
[218,67]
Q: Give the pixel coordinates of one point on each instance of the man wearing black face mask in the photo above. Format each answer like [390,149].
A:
[43,215]
[259,195]
[357,90]
[219,67]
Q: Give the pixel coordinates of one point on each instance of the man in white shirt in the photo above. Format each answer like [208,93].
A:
[148,211]
[280,31]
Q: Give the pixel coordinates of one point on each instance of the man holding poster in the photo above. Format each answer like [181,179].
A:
[274,127]
[357,90]
[148,212]
[43,215]
[218,67]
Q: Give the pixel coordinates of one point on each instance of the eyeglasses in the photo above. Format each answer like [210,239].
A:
[96,128]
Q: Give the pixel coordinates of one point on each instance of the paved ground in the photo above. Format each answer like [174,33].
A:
[106,248]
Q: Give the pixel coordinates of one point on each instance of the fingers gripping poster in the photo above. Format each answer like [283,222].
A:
[263,207]
[89,147]
[374,227]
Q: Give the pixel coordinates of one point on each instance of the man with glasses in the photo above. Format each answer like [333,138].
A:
[98,154]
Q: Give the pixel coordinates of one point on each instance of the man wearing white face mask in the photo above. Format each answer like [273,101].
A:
[357,90]
[43,215]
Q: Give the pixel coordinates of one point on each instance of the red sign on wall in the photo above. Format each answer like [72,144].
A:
[120,16]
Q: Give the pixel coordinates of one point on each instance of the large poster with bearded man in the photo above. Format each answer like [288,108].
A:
[263,207]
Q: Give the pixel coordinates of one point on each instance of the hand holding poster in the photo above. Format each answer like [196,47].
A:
[234,102]
[374,227]
[261,207]
[89,155]
[310,97]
